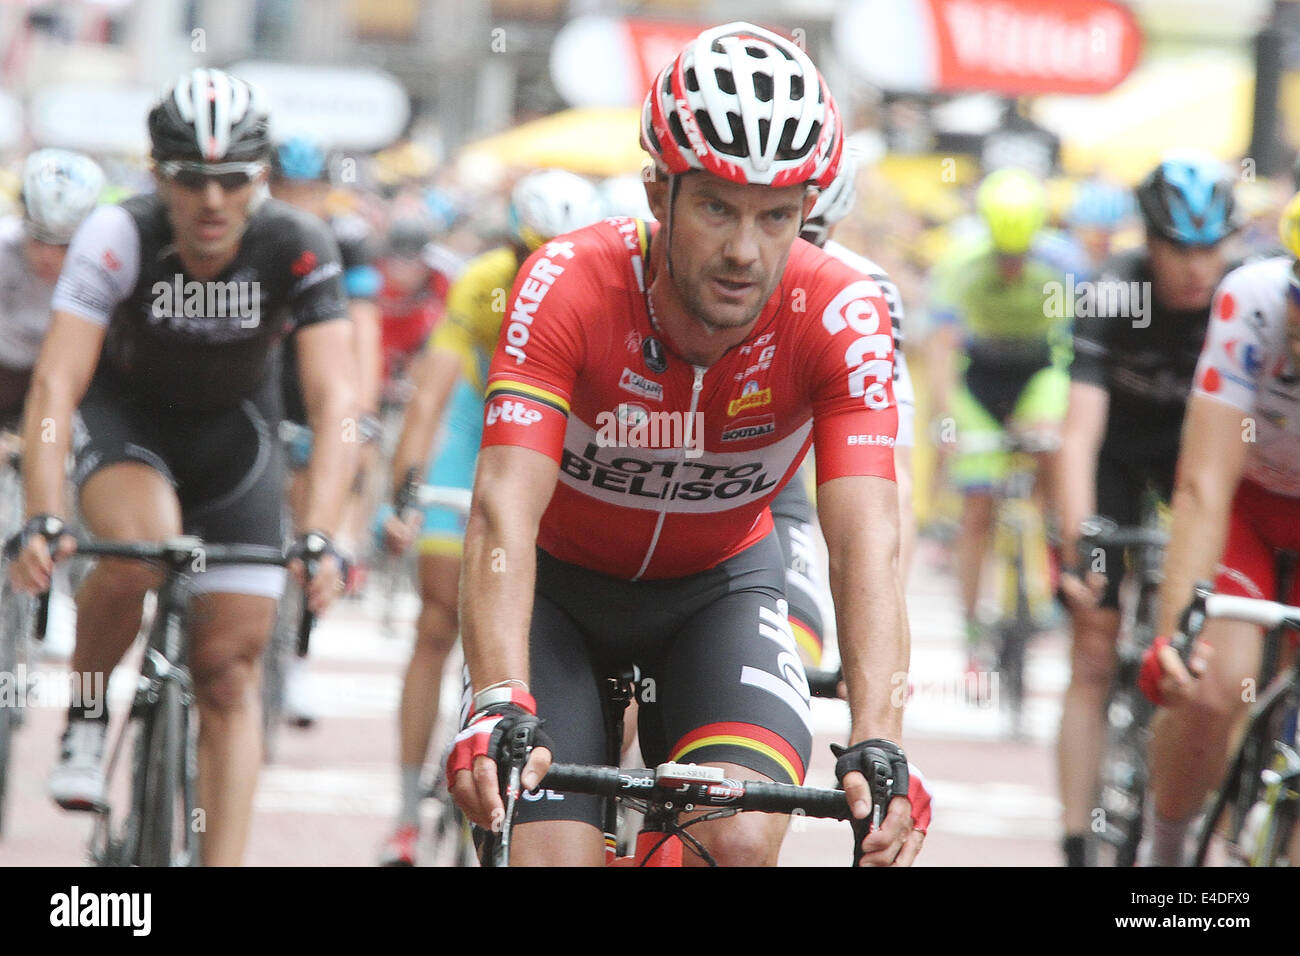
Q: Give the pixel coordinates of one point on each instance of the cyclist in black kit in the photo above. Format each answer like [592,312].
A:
[164,341]
[1135,351]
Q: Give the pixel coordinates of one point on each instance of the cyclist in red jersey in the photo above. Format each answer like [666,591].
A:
[650,394]
[412,297]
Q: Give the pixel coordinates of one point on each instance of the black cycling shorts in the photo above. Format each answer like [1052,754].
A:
[998,386]
[225,464]
[719,678]
[792,513]
[1120,485]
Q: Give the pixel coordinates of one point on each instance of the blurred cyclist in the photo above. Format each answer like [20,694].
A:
[989,301]
[449,379]
[1134,356]
[59,189]
[300,176]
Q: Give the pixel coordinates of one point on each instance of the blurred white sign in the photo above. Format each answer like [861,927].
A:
[337,107]
[92,117]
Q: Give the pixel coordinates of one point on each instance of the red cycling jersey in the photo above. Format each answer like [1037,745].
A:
[407,319]
[667,469]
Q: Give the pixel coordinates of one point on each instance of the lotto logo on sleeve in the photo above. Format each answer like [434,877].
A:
[510,412]
[859,307]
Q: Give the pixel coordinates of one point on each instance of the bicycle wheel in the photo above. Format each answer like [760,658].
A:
[164,819]
[1123,775]
[445,832]
[1014,633]
[15,621]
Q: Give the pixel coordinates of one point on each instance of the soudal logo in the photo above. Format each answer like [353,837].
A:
[750,397]
[630,381]
[748,428]
[509,412]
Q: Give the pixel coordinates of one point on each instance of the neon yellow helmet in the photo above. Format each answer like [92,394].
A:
[1014,204]
[1288,226]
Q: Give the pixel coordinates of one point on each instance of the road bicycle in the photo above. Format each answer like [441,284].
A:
[161,826]
[1258,801]
[1022,566]
[1122,778]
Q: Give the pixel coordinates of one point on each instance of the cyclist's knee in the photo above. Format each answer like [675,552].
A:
[437,626]
[124,579]
[747,839]
[227,686]
[1094,652]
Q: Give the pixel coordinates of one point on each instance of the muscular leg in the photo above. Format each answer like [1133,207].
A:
[1191,744]
[1083,725]
[229,633]
[747,839]
[122,502]
[557,843]
[435,636]
[972,545]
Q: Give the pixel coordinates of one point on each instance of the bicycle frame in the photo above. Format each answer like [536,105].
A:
[164,662]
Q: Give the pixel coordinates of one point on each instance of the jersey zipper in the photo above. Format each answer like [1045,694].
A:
[696,388]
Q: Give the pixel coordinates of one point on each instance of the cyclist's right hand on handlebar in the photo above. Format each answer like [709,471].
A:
[28,552]
[478,763]
[1164,679]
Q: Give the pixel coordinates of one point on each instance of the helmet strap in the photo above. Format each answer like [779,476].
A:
[674,182]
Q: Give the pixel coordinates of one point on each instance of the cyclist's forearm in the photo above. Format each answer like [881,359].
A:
[435,378]
[862,544]
[1200,528]
[1076,488]
[334,456]
[47,437]
[498,575]
[366,329]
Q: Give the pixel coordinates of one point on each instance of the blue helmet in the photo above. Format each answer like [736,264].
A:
[299,158]
[1100,205]
[1188,199]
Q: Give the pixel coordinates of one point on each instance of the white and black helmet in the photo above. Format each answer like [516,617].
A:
[210,116]
[551,202]
[833,203]
[60,188]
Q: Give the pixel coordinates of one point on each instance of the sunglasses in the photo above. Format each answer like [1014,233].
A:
[195,176]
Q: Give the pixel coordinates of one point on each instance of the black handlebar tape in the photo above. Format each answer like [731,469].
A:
[42,615]
[824,683]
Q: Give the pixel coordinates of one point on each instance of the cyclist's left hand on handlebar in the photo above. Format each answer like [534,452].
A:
[327,582]
[901,834]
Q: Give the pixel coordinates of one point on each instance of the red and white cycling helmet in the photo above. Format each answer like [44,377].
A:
[747,105]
